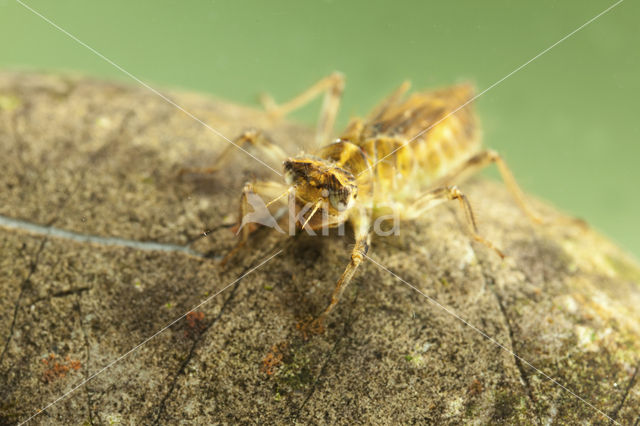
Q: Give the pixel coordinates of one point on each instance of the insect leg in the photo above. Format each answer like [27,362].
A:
[390,100]
[356,125]
[357,256]
[361,225]
[448,193]
[252,137]
[482,160]
[332,86]
[251,200]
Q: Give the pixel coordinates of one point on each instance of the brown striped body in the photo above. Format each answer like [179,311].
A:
[405,146]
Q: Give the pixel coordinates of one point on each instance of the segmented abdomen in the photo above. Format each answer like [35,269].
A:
[411,144]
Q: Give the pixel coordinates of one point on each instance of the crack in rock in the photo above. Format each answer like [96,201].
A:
[23,287]
[616,411]
[524,378]
[162,405]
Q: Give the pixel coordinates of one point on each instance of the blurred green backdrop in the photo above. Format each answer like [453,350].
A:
[567,123]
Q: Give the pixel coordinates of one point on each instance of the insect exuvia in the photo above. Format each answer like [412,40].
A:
[409,153]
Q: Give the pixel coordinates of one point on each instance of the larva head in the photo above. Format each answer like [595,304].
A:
[320,181]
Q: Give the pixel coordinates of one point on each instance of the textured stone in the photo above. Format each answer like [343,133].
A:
[103,159]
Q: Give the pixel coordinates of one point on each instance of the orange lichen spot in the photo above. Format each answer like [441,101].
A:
[273,359]
[310,327]
[55,369]
[195,324]
[476,387]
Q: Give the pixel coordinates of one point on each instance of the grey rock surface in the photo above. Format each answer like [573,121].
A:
[103,159]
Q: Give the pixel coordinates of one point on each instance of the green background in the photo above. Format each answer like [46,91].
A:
[567,123]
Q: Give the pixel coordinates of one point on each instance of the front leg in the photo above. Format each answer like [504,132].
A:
[254,138]
[363,241]
[254,211]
